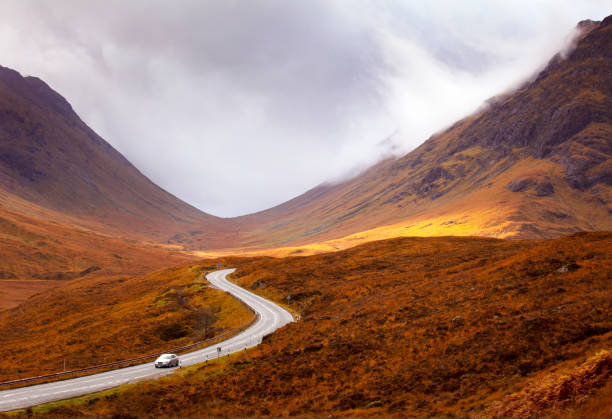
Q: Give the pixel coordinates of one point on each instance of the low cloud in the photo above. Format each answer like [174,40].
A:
[237,106]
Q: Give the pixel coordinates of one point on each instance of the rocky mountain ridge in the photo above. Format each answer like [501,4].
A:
[535,162]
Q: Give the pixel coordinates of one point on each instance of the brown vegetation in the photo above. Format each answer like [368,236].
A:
[532,163]
[554,390]
[50,159]
[597,406]
[406,327]
[37,254]
[99,320]
[432,326]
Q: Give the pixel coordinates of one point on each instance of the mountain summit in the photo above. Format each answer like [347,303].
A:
[49,157]
[535,162]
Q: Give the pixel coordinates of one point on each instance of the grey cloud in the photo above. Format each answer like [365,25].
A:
[235,106]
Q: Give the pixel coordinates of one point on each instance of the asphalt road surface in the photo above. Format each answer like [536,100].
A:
[270,318]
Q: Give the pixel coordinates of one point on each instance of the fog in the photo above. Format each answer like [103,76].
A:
[238,106]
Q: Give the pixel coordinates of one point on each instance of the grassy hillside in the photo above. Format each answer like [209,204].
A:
[418,327]
[37,254]
[531,163]
[112,318]
[49,157]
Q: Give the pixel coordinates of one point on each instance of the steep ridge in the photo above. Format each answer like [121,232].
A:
[50,158]
[535,162]
[72,207]
[532,163]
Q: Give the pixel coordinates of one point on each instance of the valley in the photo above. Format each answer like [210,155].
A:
[542,151]
[469,277]
[267,317]
[412,326]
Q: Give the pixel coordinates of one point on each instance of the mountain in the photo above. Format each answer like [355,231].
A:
[72,207]
[532,163]
[54,166]
[535,162]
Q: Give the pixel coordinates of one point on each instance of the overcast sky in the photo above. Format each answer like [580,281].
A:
[235,106]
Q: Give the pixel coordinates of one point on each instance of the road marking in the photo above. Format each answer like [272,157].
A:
[269,318]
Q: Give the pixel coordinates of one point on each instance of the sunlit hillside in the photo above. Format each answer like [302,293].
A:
[112,318]
[413,327]
[37,253]
[533,163]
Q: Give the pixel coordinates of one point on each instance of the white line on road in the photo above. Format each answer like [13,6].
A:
[269,318]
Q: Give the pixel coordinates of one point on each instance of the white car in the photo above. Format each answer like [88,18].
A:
[167,360]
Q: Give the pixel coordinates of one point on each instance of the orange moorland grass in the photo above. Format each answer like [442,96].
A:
[94,321]
[409,327]
[597,406]
[555,390]
[36,255]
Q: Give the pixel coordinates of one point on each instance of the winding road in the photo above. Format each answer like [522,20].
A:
[270,318]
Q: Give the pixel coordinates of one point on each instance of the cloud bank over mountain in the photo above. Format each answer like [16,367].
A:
[236,106]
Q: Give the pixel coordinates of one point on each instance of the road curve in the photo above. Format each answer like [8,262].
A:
[270,317]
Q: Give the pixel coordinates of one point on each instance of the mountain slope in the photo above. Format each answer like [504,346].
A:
[534,163]
[50,158]
[409,327]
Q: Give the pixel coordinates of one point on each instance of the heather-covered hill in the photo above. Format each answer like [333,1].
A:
[114,317]
[536,162]
[37,253]
[50,158]
[411,327]
[71,206]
